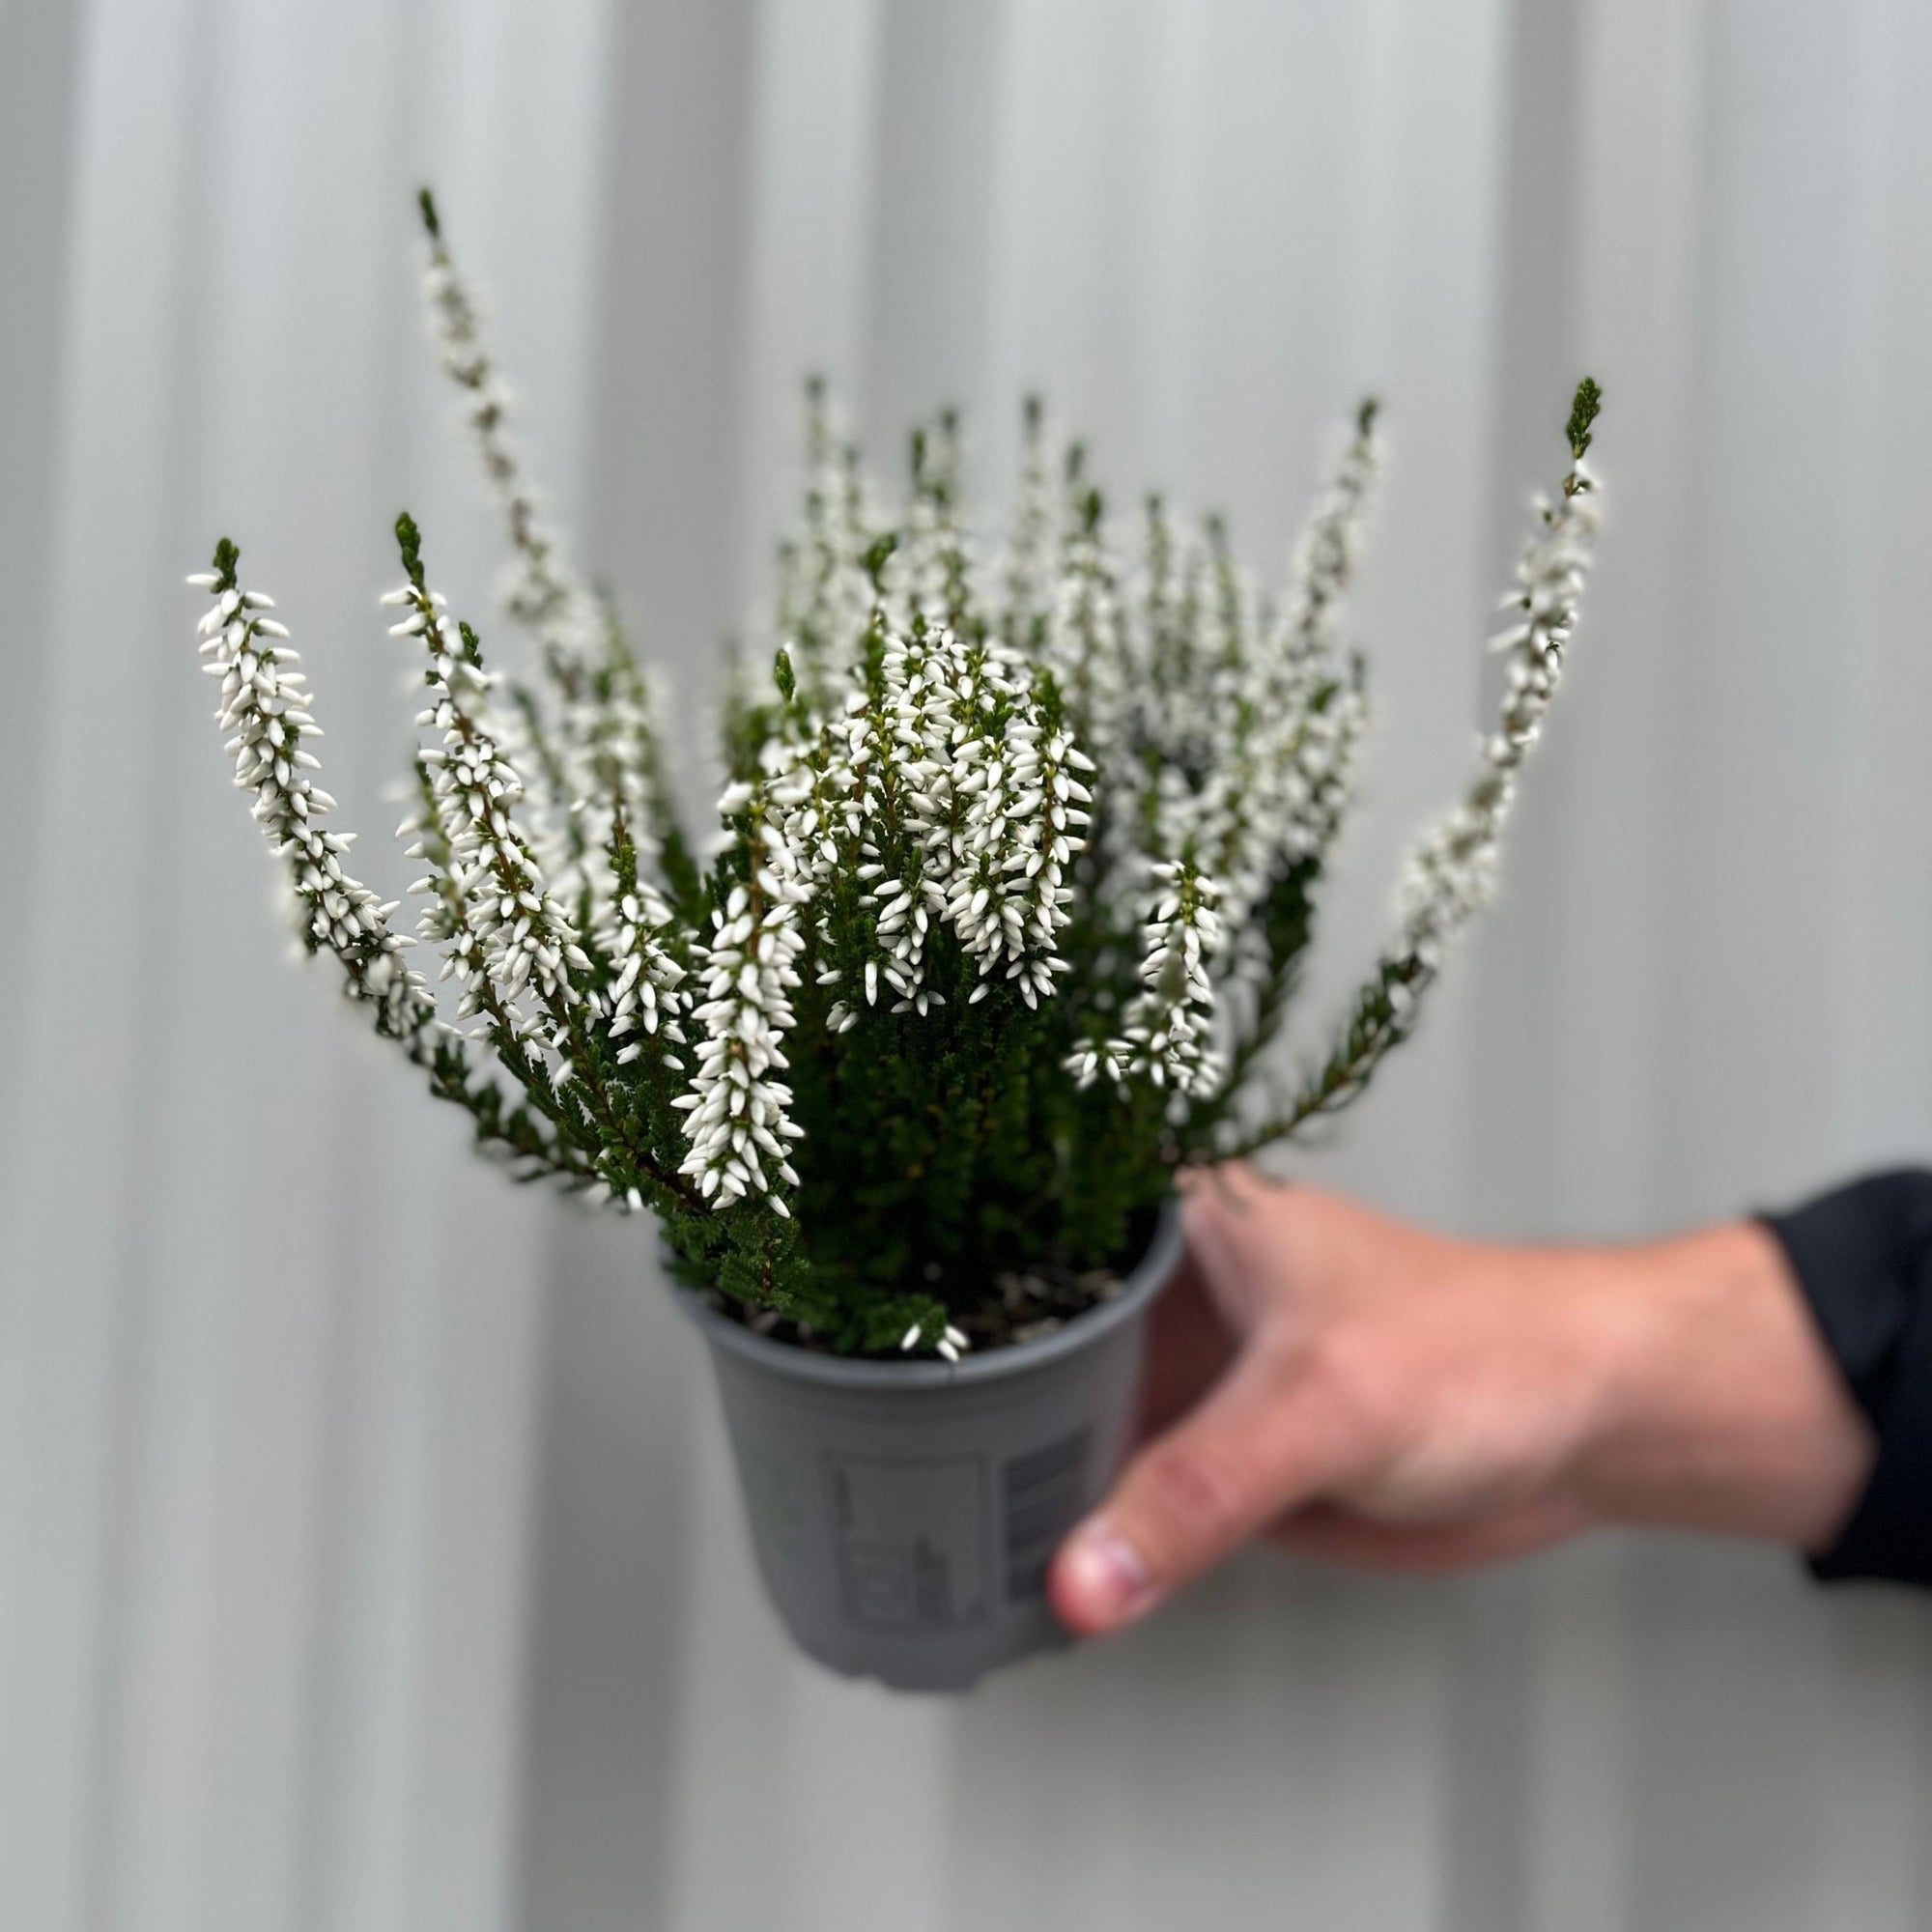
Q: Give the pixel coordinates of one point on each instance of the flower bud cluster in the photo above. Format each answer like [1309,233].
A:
[1277,736]
[964,805]
[514,940]
[888,770]
[264,704]
[1168,1029]
[738,1120]
[648,990]
[1010,815]
[1084,644]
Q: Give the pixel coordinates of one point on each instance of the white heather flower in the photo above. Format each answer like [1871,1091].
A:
[825,595]
[939,789]
[1012,855]
[1175,693]
[542,587]
[265,705]
[881,788]
[738,1121]
[928,572]
[1286,713]
[1000,820]
[1085,645]
[601,759]
[613,729]
[443,922]
[1303,659]
[1168,1034]
[1325,557]
[1017,833]
[514,944]
[647,990]
[1452,874]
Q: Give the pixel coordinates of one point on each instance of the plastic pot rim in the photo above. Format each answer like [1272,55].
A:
[1151,1273]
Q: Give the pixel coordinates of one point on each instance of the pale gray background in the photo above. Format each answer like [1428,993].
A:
[367,1552]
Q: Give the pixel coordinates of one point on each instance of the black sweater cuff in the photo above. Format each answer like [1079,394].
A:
[1864,1257]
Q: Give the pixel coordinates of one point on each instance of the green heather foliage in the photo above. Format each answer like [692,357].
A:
[1015,868]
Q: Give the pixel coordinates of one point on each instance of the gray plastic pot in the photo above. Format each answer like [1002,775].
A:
[903,1513]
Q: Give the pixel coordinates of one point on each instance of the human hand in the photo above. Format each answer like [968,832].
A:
[1360,1390]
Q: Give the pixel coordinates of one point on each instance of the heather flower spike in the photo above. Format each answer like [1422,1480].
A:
[1452,874]
[591,729]
[1017,859]
[264,703]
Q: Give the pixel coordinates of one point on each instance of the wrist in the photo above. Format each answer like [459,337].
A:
[1723,1409]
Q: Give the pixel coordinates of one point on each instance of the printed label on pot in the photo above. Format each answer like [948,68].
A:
[912,1539]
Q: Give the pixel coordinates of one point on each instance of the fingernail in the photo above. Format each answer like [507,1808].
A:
[1107,1576]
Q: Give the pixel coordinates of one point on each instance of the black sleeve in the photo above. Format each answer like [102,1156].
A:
[1863,1258]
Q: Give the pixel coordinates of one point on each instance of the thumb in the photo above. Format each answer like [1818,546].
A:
[1269,1438]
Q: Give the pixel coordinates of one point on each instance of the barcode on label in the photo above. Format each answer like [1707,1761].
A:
[1042,1494]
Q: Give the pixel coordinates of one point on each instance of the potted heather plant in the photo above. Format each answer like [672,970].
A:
[1015,864]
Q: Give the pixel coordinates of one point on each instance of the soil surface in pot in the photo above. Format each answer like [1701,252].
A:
[1024,1307]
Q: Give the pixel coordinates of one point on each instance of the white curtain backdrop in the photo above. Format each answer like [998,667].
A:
[369,1554]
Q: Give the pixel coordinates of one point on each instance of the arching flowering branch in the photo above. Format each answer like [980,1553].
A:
[1281,713]
[514,936]
[1452,874]
[1305,707]
[544,590]
[739,1110]
[826,591]
[266,704]
[601,754]
[512,947]
[1270,808]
